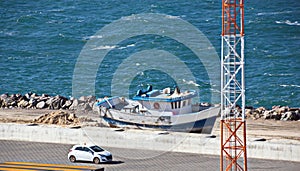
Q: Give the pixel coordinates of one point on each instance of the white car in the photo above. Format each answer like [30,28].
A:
[92,153]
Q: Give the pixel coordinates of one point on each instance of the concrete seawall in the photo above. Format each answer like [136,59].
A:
[150,140]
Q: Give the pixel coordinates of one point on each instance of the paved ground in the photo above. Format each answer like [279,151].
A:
[126,159]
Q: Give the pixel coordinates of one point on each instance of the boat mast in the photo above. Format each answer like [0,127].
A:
[233,124]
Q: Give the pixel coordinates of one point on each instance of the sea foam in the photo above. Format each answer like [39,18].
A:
[288,22]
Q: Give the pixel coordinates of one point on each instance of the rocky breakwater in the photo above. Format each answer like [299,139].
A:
[87,104]
[283,113]
[44,101]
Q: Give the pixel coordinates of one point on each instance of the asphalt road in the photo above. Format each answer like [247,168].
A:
[128,159]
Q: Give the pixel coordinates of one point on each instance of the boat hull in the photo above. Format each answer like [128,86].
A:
[199,126]
[200,122]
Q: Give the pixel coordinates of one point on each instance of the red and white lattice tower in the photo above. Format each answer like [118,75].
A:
[232,124]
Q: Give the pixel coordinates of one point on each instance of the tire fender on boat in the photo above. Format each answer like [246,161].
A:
[156,105]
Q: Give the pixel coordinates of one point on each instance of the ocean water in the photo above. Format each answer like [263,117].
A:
[40,42]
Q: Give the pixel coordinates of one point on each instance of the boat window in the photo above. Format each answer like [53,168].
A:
[183,103]
[189,102]
[175,105]
[172,105]
[178,104]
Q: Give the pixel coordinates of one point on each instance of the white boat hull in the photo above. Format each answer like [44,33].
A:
[202,121]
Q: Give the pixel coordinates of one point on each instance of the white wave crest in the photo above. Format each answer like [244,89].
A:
[288,22]
[124,47]
[276,75]
[191,83]
[9,33]
[172,17]
[96,37]
[106,47]
[131,17]
[292,85]
[274,13]
[215,90]
[93,37]
[56,10]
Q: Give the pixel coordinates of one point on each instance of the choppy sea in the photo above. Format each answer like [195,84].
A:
[40,42]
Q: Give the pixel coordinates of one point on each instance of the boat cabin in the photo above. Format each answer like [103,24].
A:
[166,100]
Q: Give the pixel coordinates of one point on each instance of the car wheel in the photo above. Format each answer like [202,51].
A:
[72,159]
[96,160]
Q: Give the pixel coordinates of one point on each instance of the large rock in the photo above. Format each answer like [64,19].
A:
[260,110]
[12,101]
[4,96]
[45,95]
[289,116]
[87,107]
[83,98]
[276,116]
[285,116]
[23,104]
[298,114]
[49,102]
[7,102]
[55,104]
[32,102]
[15,97]
[95,107]
[267,114]
[41,105]
[67,104]
[33,95]
[28,95]
[282,110]
[62,102]
[74,105]
[91,99]
[84,107]
[43,98]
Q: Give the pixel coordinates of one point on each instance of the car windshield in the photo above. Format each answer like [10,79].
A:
[96,148]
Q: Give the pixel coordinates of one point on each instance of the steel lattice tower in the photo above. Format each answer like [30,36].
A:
[233,125]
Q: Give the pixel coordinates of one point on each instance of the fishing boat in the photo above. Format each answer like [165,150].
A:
[167,109]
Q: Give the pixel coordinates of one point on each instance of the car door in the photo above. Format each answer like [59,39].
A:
[78,152]
[87,154]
